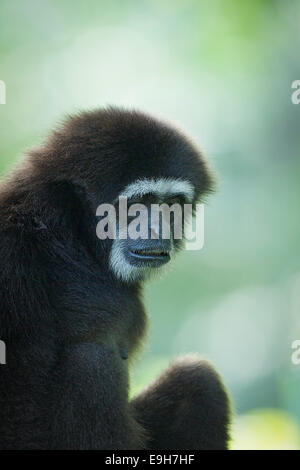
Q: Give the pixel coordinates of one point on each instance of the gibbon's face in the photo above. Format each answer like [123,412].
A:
[132,169]
[151,215]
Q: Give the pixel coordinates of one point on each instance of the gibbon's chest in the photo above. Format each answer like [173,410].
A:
[101,312]
[127,321]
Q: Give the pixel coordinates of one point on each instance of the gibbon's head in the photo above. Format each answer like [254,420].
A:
[128,164]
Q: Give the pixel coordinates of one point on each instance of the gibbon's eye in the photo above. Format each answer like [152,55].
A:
[176,199]
[136,212]
[131,203]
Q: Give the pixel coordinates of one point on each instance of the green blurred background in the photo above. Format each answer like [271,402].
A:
[223,70]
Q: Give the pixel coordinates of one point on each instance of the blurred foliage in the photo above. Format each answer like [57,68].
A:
[266,430]
[223,70]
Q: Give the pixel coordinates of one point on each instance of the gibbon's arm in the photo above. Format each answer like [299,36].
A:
[186,408]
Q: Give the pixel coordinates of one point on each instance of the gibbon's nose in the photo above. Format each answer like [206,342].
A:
[154,233]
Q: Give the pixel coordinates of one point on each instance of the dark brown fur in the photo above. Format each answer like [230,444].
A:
[64,316]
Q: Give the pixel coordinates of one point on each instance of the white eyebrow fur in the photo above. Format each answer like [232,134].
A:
[160,187]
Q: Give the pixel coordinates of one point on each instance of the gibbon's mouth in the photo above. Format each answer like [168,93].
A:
[151,255]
